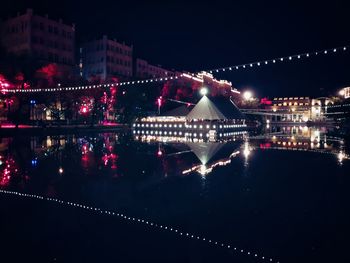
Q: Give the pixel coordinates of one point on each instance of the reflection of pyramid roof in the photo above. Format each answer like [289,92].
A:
[228,108]
[179,111]
[206,150]
[206,110]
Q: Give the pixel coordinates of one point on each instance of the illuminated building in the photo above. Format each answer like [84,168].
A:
[45,39]
[105,58]
[145,70]
[299,109]
[207,120]
[345,92]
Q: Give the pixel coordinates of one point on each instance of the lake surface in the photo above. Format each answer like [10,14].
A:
[278,196]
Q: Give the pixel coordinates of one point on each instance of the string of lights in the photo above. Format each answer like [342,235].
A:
[183,75]
[142,221]
[281,59]
[182,102]
[87,87]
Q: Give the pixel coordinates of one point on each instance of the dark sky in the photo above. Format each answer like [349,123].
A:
[197,35]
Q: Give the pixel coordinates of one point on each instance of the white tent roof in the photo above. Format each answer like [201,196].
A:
[205,109]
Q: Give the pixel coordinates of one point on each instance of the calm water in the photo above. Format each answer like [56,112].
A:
[282,195]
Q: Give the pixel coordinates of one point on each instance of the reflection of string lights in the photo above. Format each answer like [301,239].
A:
[142,221]
[204,170]
[341,157]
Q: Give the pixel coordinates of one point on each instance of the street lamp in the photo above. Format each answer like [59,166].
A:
[247,95]
[159,103]
[203,91]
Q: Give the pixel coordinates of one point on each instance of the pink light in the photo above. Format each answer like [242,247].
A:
[159,153]
[110,124]
[266,101]
[9,126]
[6,126]
[159,101]
[266,145]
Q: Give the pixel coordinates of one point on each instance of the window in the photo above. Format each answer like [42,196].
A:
[35,39]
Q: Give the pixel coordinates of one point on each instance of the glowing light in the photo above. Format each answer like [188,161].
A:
[247,95]
[246,151]
[60,170]
[341,157]
[203,91]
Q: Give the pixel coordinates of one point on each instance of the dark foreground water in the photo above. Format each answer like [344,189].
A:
[283,196]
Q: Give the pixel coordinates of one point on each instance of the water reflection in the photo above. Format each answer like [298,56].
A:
[200,185]
[302,138]
[114,155]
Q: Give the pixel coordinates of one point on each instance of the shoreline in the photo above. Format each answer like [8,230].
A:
[63,129]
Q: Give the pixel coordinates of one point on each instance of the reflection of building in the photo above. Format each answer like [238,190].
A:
[145,70]
[105,58]
[40,37]
[208,154]
[301,138]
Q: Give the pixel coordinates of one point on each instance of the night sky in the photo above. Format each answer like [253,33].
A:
[197,35]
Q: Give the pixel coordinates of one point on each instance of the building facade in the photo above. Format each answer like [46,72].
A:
[299,109]
[105,58]
[145,70]
[345,92]
[41,38]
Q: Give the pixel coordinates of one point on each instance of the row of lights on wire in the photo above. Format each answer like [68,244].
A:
[280,59]
[224,69]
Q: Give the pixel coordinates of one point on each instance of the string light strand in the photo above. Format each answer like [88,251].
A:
[143,221]
[183,75]
[280,59]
